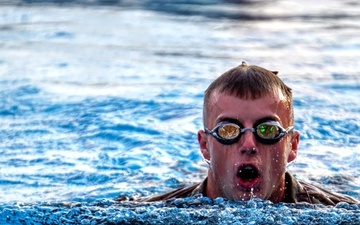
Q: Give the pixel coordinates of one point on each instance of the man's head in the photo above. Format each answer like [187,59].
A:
[248,137]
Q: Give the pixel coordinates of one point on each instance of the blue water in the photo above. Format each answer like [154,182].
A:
[104,98]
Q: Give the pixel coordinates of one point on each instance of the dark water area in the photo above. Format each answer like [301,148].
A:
[101,99]
[229,9]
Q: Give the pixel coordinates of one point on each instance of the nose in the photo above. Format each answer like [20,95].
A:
[248,143]
[249,151]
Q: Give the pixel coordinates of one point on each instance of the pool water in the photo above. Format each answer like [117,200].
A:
[104,98]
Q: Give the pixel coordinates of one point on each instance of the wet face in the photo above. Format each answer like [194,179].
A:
[247,167]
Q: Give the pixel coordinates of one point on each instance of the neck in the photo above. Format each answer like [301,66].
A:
[210,189]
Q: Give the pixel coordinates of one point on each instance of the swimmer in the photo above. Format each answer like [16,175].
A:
[248,140]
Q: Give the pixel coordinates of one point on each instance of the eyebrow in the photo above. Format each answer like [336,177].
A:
[269,118]
[236,121]
[228,119]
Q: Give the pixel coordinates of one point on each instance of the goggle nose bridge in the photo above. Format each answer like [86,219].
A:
[243,130]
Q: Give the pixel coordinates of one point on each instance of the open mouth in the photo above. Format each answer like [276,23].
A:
[248,172]
[249,176]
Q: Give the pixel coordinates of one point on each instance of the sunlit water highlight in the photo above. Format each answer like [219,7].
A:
[105,100]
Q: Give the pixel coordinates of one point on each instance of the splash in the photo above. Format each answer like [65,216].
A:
[192,210]
[252,195]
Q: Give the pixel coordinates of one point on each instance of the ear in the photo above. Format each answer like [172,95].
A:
[203,144]
[295,138]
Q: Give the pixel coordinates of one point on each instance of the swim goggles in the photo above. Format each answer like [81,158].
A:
[268,132]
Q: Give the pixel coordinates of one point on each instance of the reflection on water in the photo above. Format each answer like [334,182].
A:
[104,98]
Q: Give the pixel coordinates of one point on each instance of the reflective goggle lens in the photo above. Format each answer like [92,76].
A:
[228,131]
[267,131]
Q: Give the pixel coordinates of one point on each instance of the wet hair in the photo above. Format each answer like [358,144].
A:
[249,83]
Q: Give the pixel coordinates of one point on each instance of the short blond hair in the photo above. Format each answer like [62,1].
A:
[249,82]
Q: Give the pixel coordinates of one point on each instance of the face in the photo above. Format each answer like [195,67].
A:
[248,167]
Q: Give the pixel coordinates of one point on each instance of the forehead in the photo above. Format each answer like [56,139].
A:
[225,106]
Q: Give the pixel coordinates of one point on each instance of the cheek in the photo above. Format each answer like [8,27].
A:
[222,163]
[277,156]
[221,154]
